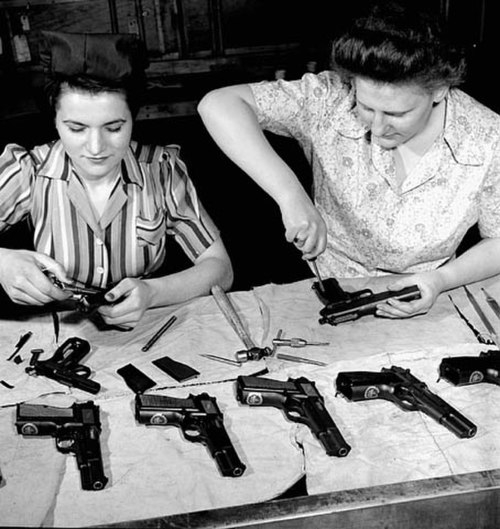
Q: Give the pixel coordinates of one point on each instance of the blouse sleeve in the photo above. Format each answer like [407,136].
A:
[293,108]
[16,178]
[187,219]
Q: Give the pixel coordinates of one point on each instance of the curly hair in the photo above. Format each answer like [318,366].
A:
[397,43]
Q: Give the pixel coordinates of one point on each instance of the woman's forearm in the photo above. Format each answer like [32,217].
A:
[478,263]
[213,269]
[230,117]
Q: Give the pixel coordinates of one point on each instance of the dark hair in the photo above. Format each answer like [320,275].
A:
[397,43]
[133,89]
[94,63]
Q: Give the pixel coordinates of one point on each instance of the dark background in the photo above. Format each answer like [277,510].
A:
[256,38]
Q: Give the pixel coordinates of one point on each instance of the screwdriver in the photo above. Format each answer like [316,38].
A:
[296,342]
[318,276]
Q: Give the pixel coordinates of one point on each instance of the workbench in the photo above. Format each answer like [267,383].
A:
[404,469]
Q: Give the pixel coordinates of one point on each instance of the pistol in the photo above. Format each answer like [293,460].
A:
[399,386]
[76,430]
[64,366]
[87,299]
[300,401]
[464,370]
[199,419]
[361,303]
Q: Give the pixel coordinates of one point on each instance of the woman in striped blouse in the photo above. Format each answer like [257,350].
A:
[100,204]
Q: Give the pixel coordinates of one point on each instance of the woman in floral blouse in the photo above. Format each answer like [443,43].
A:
[404,163]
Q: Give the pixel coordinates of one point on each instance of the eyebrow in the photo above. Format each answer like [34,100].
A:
[390,112]
[114,122]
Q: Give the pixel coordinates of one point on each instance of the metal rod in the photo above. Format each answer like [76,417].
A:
[158,335]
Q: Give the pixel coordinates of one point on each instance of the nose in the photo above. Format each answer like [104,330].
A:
[378,124]
[95,142]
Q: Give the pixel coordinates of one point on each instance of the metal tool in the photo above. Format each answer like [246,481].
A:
[56,324]
[484,319]
[479,337]
[277,343]
[222,359]
[252,352]
[296,342]
[159,334]
[318,275]
[300,359]
[492,302]
[22,340]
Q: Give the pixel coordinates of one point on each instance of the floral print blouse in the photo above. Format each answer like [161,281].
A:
[375,225]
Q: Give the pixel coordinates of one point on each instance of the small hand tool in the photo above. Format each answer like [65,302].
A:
[222,359]
[277,343]
[492,302]
[252,352]
[296,342]
[55,321]
[318,275]
[300,359]
[22,340]
[481,314]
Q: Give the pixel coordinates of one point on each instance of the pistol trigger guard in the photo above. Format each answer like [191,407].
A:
[81,371]
[405,400]
[294,414]
[65,444]
[192,432]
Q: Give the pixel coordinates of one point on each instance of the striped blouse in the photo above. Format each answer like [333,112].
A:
[153,197]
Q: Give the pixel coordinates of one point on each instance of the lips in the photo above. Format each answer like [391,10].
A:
[98,159]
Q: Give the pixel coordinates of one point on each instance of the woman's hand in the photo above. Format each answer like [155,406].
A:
[129,300]
[304,226]
[22,277]
[430,285]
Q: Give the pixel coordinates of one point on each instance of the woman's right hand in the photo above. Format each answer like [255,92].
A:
[304,225]
[22,277]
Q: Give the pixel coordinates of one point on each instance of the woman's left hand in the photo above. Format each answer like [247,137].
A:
[129,300]
[430,286]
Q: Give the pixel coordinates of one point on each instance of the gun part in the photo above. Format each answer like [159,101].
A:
[330,291]
[362,303]
[200,421]
[22,340]
[301,402]
[64,366]
[399,386]
[87,298]
[76,430]
[464,370]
